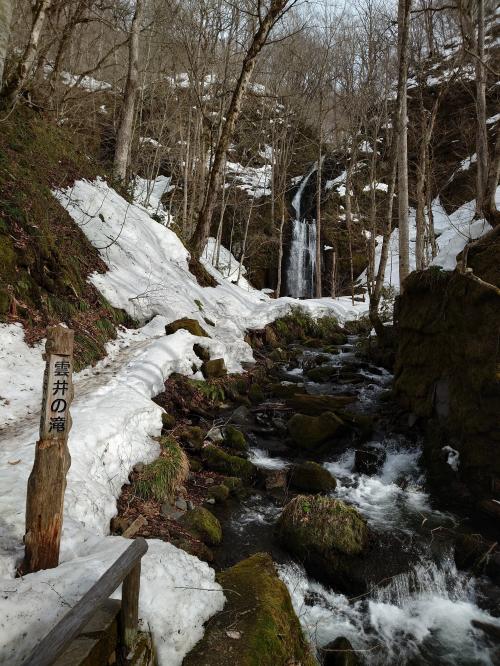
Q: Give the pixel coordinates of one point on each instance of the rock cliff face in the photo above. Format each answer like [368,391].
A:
[448,365]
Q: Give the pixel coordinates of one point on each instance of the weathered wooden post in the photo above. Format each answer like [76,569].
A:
[47,482]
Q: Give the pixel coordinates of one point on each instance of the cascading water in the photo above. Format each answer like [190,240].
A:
[302,262]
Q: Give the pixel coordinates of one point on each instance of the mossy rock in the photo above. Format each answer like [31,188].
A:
[219,493]
[310,477]
[203,525]
[311,433]
[191,325]
[235,439]
[260,613]
[220,461]
[214,369]
[195,465]
[321,374]
[256,394]
[167,421]
[315,405]
[312,523]
[193,436]
[201,352]
[233,483]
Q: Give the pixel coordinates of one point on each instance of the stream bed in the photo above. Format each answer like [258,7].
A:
[425,615]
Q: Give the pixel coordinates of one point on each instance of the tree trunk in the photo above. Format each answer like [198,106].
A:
[280,246]
[404,239]
[202,230]
[125,128]
[348,219]
[482,136]
[420,212]
[25,67]
[6,8]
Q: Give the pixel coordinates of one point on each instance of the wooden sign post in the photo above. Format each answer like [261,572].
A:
[47,481]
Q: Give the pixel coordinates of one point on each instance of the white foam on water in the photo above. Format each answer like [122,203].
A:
[261,458]
[422,617]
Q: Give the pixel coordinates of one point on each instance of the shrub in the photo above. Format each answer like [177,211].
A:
[160,479]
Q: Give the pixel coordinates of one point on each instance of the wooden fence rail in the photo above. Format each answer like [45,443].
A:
[126,569]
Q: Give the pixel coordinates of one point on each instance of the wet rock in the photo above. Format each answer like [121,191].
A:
[215,435]
[339,653]
[220,461]
[312,478]
[219,493]
[214,369]
[474,552]
[369,460]
[201,352]
[274,479]
[235,439]
[168,421]
[267,632]
[203,525]
[191,325]
[315,405]
[310,433]
[233,483]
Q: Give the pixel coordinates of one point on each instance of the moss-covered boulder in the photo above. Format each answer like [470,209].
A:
[203,525]
[220,461]
[214,369]
[258,626]
[331,539]
[310,477]
[235,439]
[311,433]
[191,325]
[233,483]
[315,405]
[322,524]
[219,493]
[287,390]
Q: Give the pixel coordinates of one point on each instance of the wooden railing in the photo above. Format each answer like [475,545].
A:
[126,569]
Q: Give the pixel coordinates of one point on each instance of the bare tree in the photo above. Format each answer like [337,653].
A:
[24,69]
[125,127]
[266,22]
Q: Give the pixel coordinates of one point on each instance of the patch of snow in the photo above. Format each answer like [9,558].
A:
[255,181]
[149,193]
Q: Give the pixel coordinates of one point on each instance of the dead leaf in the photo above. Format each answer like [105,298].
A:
[234,634]
[14,462]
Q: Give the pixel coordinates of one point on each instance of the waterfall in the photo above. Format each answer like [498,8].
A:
[302,261]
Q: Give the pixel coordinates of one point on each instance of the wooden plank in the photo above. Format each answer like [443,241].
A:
[59,638]
[47,481]
[129,617]
[134,527]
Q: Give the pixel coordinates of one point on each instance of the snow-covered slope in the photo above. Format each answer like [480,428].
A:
[115,421]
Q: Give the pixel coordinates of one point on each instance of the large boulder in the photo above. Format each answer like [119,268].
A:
[327,535]
[235,439]
[310,433]
[191,325]
[369,460]
[203,525]
[258,626]
[220,461]
[310,477]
